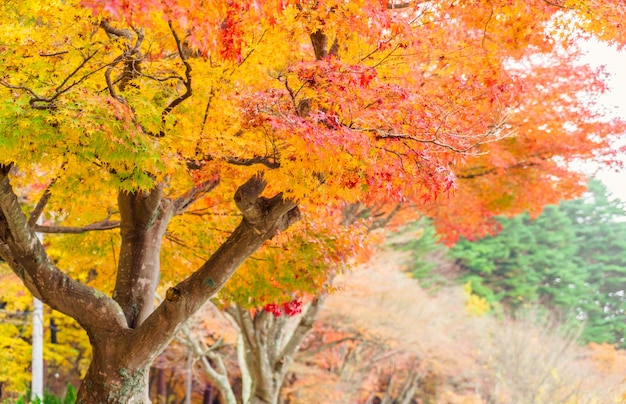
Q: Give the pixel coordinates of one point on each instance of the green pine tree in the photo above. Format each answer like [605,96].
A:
[571,259]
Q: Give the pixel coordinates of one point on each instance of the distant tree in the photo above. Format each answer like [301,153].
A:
[572,258]
[421,240]
[600,224]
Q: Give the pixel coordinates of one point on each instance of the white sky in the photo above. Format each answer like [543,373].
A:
[614,100]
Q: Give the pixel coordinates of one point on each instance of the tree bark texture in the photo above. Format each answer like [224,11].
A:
[126,331]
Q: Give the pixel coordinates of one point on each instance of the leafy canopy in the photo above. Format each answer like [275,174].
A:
[332,101]
[464,109]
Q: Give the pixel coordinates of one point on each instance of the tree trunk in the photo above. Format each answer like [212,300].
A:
[108,380]
[161,387]
[208,396]
[267,389]
[125,331]
[269,348]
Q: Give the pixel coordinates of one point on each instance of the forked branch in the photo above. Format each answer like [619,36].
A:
[262,218]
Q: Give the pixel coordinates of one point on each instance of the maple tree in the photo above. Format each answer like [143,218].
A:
[148,116]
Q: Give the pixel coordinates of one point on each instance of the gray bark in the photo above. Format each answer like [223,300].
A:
[270,348]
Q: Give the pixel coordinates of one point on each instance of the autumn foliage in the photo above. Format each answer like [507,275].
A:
[148,116]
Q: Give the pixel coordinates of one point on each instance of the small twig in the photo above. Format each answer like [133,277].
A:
[206,110]
[53,53]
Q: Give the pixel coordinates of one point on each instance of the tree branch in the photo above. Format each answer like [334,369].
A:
[38,102]
[302,330]
[476,172]
[396,6]
[109,29]
[263,217]
[218,376]
[242,318]
[97,226]
[264,213]
[131,58]
[21,248]
[265,160]
[187,82]
[188,198]
[41,205]
[320,43]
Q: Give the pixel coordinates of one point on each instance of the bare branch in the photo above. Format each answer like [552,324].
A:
[396,6]
[184,201]
[187,82]
[306,353]
[384,219]
[561,5]
[218,376]
[30,91]
[302,330]
[43,54]
[241,317]
[435,141]
[41,204]
[131,58]
[267,161]
[102,225]
[109,29]
[475,172]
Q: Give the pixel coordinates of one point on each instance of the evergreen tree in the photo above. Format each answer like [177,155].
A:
[600,223]
[571,259]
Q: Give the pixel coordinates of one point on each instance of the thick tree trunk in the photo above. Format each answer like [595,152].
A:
[145,216]
[109,380]
[268,389]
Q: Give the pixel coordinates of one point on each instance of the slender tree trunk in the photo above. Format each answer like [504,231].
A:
[269,348]
[37,376]
[161,387]
[208,396]
[37,367]
[189,380]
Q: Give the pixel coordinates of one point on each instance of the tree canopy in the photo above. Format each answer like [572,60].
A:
[204,130]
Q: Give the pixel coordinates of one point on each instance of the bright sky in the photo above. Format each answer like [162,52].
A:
[615,100]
